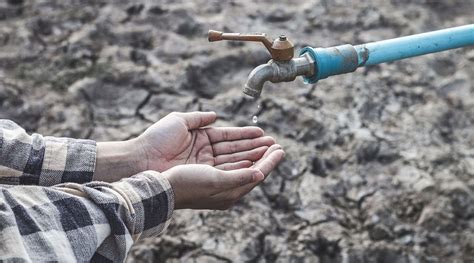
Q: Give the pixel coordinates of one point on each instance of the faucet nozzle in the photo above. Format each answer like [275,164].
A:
[275,71]
[257,78]
[254,93]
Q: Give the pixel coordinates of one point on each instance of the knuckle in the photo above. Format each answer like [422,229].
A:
[236,158]
[254,143]
[173,115]
[226,135]
[233,147]
[200,122]
[242,180]
[214,149]
[257,153]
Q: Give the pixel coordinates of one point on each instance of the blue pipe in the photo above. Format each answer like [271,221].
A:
[347,58]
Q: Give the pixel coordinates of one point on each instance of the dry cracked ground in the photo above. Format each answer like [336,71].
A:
[380,163]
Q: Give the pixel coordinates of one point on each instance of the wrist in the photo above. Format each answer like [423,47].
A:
[138,156]
[170,176]
[116,160]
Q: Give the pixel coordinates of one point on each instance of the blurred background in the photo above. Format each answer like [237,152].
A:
[379,164]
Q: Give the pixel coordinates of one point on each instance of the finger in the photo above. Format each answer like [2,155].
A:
[234,166]
[233,133]
[238,178]
[271,149]
[266,166]
[198,119]
[270,162]
[241,145]
[251,155]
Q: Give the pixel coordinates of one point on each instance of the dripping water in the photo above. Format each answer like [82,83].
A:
[255,119]
[257,112]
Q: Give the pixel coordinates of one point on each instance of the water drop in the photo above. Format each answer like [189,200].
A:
[294,171]
[257,111]
[255,119]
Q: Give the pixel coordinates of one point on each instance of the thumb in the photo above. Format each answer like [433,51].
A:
[198,119]
[240,177]
[270,160]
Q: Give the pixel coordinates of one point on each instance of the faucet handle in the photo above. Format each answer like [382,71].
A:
[257,37]
[281,49]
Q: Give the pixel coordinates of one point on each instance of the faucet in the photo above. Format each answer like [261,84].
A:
[281,68]
[277,71]
[319,63]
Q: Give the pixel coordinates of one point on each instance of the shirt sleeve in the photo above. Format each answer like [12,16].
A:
[96,221]
[37,160]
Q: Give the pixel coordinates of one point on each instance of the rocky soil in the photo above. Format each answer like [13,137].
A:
[380,163]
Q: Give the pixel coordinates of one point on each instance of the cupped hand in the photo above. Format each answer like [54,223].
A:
[183,138]
[198,186]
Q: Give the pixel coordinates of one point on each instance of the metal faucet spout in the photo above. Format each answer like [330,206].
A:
[257,78]
[278,71]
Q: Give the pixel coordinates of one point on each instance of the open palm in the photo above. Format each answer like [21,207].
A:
[182,138]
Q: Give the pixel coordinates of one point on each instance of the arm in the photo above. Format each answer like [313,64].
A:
[99,221]
[95,220]
[37,160]
[178,138]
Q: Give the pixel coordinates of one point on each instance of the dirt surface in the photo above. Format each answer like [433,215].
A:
[380,162]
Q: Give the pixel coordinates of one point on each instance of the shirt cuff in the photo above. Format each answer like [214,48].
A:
[67,160]
[152,201]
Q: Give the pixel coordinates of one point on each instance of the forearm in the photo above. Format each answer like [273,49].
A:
[82,221]
[46,161]
[116,160]
[36,160]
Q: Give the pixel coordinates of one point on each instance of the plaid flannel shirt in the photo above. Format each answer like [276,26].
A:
[51,211]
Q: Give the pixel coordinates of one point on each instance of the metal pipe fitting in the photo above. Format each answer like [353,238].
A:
[277,71]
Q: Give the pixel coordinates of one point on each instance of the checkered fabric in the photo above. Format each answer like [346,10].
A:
[93,221]
[45,161]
